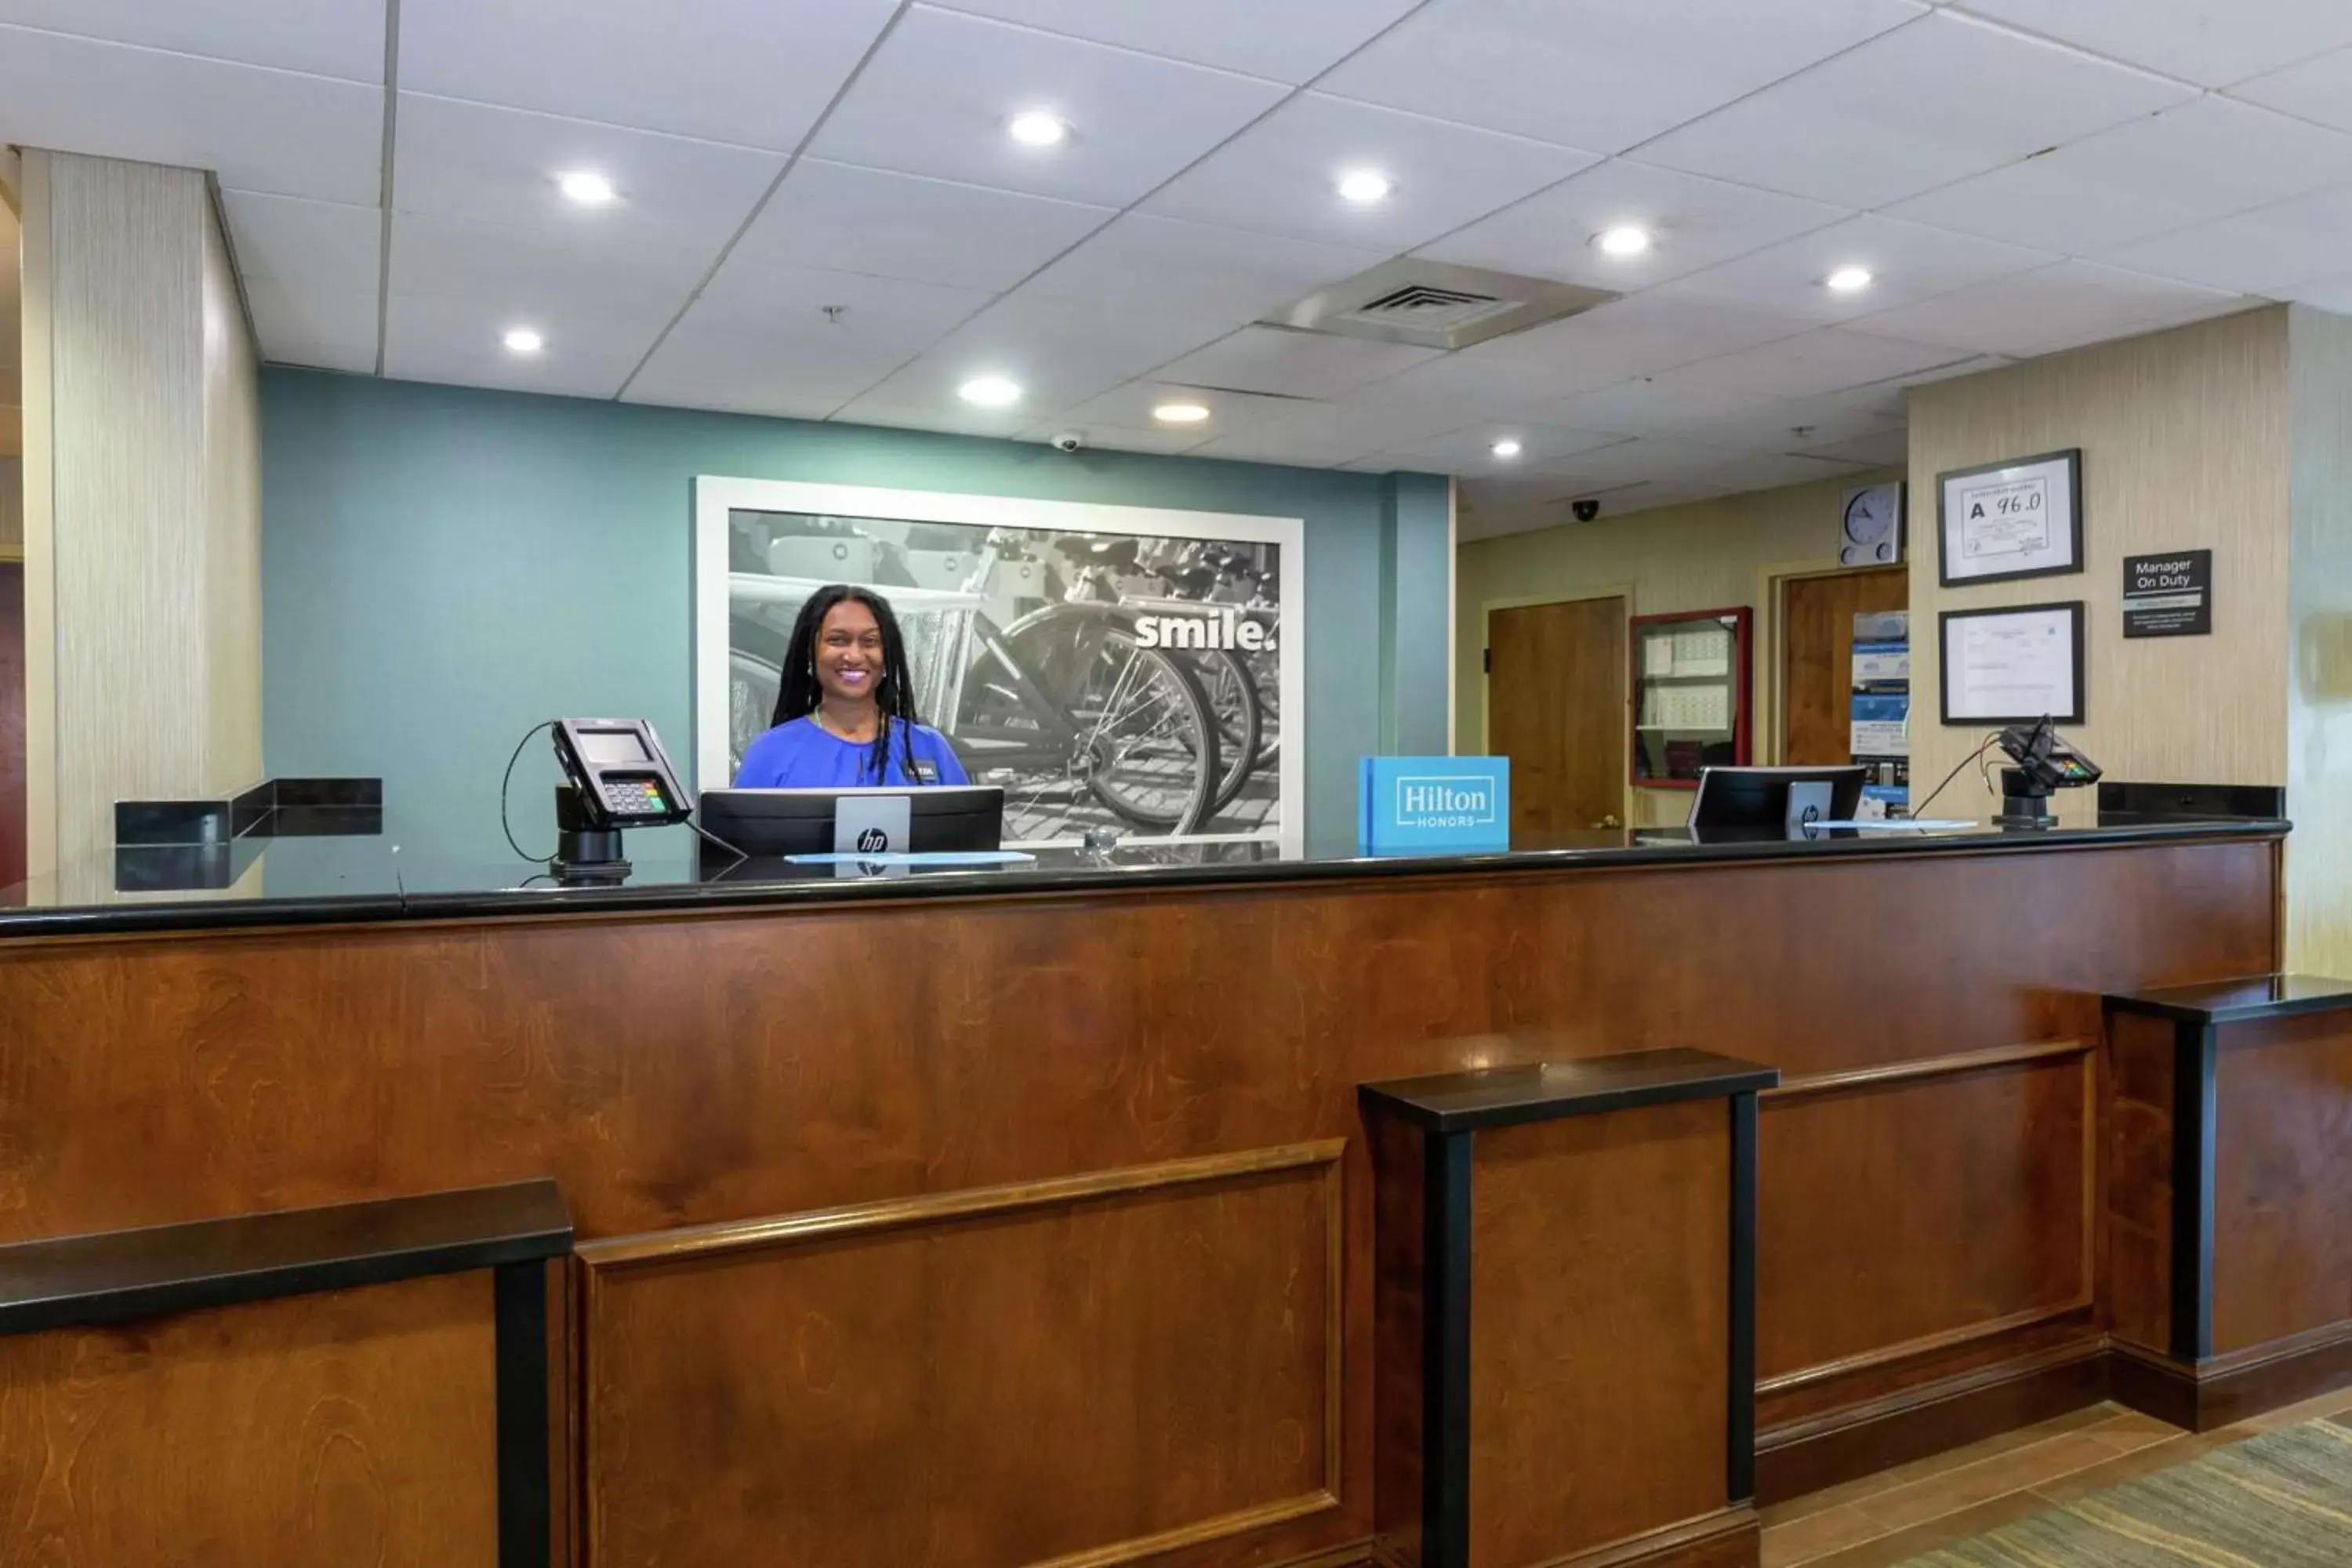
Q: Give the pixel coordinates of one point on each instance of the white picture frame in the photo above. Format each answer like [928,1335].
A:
[716,497]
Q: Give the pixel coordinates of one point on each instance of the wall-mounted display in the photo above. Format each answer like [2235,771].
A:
[2005,520]
[1121,668]
[1690,694]
[2016,665]
[2168,595]
[1870,532]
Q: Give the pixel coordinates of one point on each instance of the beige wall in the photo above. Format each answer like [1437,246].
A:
[12,508]
[1706,555]
[2185,444]
[2318,649]
[143,499]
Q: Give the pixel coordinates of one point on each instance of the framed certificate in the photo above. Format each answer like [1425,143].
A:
[2016,665]
[2022,519]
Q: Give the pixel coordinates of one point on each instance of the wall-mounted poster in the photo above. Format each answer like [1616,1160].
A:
[1121,668]
[2004,521]
[2017,664]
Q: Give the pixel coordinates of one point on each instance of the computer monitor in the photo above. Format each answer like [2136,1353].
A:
[767,823]
[1754,798]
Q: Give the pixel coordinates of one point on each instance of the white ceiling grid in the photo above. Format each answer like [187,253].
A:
[2021,175]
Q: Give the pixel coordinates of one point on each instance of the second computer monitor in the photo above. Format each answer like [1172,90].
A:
[767,823]
[1755,798]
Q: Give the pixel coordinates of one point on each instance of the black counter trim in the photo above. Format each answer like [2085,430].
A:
[717,897]
[1546,1092]
[2205,1006]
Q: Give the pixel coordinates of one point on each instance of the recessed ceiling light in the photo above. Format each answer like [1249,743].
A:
[990,392]
[1180,412]
[1035,128]
[1505,447]
[524,341]
[1849,279]
[586,186]
[1624,239]
[1365,186]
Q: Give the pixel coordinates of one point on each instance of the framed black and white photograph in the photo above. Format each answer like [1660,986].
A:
[1110,666]
[2006,521]
[2018,664]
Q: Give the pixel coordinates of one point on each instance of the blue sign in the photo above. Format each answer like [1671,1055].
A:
[1419,804]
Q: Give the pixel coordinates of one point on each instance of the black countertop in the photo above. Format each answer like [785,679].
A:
[2247,1000]
[337,880]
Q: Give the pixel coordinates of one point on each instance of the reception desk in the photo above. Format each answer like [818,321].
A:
[1028,1217]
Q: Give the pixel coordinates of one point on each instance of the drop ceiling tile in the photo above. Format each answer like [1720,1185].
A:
[1291,42]
[1543,449]
[2210,42]
[1640,336]
[520,272]
[1357,420]
[311,272]
[753,72]
[1294,364]
[1130,407]
[1600,74]
[1830,358]
[701,365]
[1059,355]
[768,300]
[1278,177]
[1791,424]
[590,351]
[499,165]
[1888,448]
[1270,447]
[260,129]
[1909,262]
[2317,90]
[935,96]
[1643,406]
[2202,161]
[1698,222]
[903,225]
[2059,307]
[1772,470]
[886,407]
[2267,251]
[1164,439]
[1648,459]
[341,39]
[1141,262]
[1912,110]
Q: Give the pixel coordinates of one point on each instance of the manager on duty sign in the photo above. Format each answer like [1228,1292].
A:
[2168,595]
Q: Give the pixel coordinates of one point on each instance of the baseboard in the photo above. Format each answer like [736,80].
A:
[1731,1539]
[2229,1388]
[1804,1456]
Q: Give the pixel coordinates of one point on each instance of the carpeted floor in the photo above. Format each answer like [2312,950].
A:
[2280,1501]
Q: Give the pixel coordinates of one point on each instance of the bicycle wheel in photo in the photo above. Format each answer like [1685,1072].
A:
[1145,741]
[1240,718]
[751,687]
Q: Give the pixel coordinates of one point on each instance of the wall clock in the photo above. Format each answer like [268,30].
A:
[1871,527]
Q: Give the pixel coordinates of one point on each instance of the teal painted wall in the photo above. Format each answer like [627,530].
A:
[443,568]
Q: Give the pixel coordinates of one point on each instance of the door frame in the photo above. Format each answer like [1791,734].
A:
[1486,608]
[1771,587]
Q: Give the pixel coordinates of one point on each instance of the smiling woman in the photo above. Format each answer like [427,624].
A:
[846,705]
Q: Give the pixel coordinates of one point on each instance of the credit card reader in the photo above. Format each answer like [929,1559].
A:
[622,776]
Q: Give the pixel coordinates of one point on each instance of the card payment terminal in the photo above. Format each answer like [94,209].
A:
[622,776]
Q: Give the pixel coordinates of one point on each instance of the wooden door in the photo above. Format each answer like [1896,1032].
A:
[12,724]
[1556,707]
[1817,657]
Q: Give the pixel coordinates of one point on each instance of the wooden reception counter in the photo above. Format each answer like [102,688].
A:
[1029,1217]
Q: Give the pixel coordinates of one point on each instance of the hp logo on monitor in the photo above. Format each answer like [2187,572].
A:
[873,841]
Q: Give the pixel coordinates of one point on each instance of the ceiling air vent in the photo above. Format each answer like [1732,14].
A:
[1436,306]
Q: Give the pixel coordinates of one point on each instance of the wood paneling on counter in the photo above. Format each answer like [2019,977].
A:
[2283,1181]
[351,1427]
[1084,1373]
[2184,437]
[677,1071]
[1599,1249]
